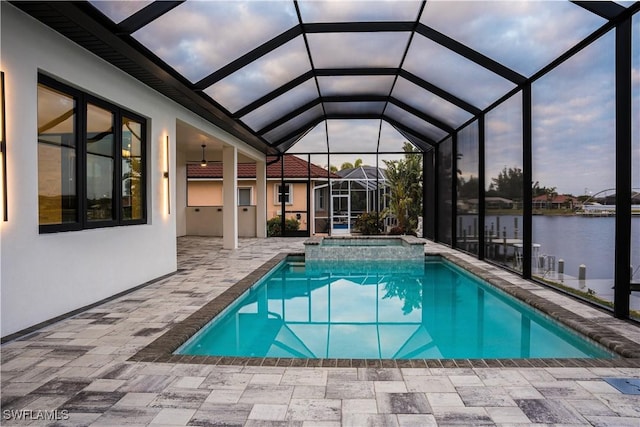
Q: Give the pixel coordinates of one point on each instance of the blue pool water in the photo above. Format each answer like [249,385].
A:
[356,310]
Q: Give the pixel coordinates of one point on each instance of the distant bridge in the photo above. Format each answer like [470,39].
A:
[590,207]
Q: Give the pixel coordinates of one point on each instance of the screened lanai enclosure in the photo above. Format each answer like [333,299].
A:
[504,103]
[358,191]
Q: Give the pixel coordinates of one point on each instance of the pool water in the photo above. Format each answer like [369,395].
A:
[356,310]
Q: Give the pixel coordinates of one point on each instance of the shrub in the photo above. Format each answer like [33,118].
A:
[274,225]
[368,223]
[397,231]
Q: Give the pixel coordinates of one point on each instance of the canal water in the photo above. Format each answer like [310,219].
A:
[578,240]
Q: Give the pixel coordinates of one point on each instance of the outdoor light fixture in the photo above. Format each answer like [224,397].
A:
[203,162]
[3,149]
[166,175]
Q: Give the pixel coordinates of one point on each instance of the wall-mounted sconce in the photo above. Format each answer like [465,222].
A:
[3,150]
[166,176]
[203,162]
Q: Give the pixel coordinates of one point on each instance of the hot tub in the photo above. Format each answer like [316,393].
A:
[370,248]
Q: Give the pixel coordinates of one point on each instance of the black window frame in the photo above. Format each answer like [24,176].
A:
[82,99]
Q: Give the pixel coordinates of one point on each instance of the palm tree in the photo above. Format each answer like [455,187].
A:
[346,165]
[405,181]
[551,194]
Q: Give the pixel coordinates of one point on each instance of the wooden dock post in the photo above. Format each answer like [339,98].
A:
[582,272]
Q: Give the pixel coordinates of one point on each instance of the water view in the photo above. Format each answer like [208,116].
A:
[576,240]
[584,240]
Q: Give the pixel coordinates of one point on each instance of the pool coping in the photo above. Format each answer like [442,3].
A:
[162,349]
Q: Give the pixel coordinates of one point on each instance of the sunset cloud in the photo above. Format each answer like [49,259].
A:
[573,107]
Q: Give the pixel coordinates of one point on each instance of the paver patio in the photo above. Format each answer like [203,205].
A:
[80,367]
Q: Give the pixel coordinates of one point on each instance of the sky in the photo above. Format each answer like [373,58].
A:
[573,106]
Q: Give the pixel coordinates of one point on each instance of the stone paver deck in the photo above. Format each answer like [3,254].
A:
[90,369]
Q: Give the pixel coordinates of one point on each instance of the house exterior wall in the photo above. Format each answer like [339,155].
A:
[299,198]
[48,275]
[209,193]
[204,193]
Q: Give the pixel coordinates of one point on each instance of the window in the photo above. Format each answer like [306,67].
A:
[286,191]
[132,172]
[244,196]
[100,164]
[91,161]
[321,202]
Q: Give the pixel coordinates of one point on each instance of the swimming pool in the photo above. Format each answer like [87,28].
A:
[433,310]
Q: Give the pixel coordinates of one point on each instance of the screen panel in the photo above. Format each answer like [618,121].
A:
[524,36]
[199,37]
[429,103]
[282,105]
[383,49]
[355,85]
[294,124]
[262,76]
[353,136]
[454,73]
[358,11]
[413,122]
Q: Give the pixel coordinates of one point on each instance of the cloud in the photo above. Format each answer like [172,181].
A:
[340,50]
[503,137]
[284,104]
[573,107]
[117,11]
[429,103]
[524,36]
[262,76]
[574,122]
[362,11]
[313,142]
[454,73]
[415,123]
[199,37]
[367,85]
[354,136]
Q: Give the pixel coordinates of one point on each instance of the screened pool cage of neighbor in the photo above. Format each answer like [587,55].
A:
[517,115]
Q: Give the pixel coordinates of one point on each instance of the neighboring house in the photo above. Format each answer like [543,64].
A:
[355,194]
[498,203]
[362,183]
[204,189]
[558,201]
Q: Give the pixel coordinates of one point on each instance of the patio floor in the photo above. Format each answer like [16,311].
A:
[79,370]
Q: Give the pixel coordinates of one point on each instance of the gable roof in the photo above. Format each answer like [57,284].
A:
[363,173]
[294,167]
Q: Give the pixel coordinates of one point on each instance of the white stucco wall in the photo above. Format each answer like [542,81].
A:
[46,275]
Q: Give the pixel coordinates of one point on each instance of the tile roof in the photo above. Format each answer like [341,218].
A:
[294,167]
[558,198]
